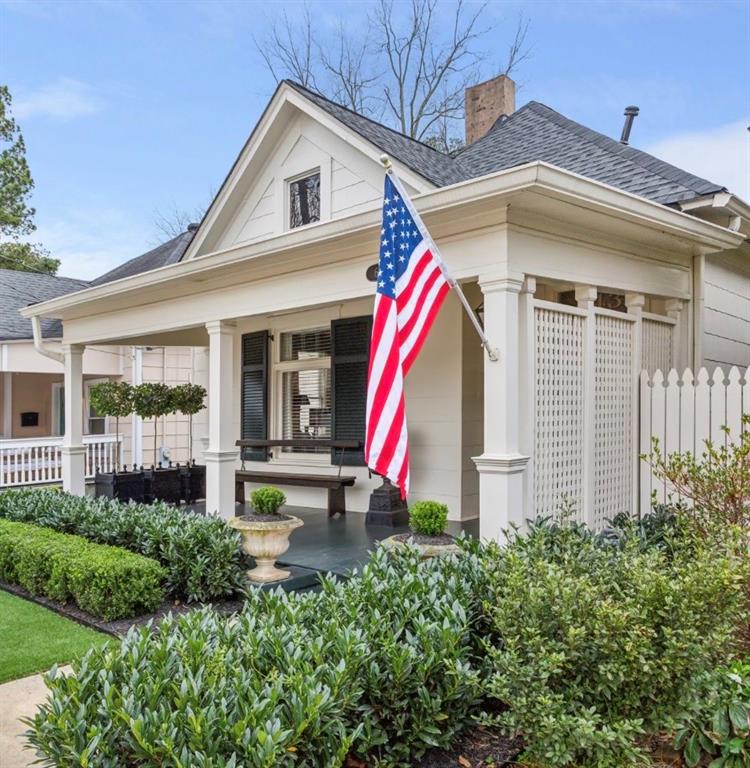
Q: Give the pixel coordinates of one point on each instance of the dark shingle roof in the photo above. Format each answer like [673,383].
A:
[166,253]
[536,132]
[533,133]
[19,289]
[433,165]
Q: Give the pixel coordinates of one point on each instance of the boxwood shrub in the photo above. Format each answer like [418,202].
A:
[592,644]
[201,555]
[379,666]
[108,582]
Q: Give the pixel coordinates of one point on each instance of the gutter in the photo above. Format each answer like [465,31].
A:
[39,344]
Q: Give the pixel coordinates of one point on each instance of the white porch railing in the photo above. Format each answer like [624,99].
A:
[38,460]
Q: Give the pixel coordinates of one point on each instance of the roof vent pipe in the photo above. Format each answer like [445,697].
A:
[630,114]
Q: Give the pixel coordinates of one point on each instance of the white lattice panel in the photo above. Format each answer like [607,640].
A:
[613,414]
[558,452]
[657,352]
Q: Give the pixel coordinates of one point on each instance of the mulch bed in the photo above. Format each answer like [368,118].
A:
[120,627]
[476,748]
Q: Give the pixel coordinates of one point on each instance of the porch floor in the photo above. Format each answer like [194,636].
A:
[340,544]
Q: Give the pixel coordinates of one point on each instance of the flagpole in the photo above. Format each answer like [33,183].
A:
[491,351]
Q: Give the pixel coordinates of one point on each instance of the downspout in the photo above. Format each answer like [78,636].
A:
[699,301]
[40,346]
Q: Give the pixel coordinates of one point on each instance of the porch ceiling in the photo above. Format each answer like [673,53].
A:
[326,262]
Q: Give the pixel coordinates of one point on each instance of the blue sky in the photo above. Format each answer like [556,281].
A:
[130,108]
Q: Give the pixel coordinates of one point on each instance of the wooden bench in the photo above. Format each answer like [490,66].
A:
[335,484]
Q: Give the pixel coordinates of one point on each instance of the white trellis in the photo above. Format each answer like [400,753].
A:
[683,412]
[587,361]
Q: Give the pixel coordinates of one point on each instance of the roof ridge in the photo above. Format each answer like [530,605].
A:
[354,112]
[638,156]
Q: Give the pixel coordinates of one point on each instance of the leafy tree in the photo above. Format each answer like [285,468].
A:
[151,400]
[113,398]
[16,184]
[189,399]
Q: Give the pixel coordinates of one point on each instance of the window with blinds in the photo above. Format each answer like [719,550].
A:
[305,387]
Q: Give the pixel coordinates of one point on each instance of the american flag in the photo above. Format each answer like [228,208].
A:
[412,284]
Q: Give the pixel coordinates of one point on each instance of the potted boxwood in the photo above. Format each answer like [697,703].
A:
[189,399]
[115,398]
[428,521]
[265,533]
[151,400]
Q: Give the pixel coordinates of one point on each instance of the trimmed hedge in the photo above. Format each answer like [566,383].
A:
[107,582]
[379,666]
[201,554]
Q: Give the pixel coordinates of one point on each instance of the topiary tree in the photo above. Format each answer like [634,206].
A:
[428,518]
[151,400]
[267,500]
[113,398]
[189,399]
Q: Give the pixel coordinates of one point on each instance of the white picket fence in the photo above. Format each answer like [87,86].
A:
[36,461]
[683,412]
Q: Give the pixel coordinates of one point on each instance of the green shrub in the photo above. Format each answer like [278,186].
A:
[591,645]
[267,500]
[379,665]
[717,724]
[108,582]
[428,518]
[201,555]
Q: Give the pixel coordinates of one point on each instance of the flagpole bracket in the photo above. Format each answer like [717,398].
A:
[492,353]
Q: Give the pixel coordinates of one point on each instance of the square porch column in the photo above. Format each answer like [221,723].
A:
[73,450]
[502,465]
[221,455]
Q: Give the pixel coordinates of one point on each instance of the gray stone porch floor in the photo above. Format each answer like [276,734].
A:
[339,544]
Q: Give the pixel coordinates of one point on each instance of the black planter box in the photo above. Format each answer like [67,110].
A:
[123,486]
[163,485]
[193,479]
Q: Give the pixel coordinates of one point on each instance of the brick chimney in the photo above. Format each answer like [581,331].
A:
[487,101]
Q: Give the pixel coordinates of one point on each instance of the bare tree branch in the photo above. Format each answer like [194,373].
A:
[168,224]
[411,66]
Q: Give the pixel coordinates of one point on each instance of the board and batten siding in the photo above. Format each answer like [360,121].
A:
[726,335]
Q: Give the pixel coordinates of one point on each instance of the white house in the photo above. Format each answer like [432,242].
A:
[586,259]
[32,418]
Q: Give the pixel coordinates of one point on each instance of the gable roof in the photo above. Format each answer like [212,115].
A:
[535,132]
[166,253]
[19,289]
[431,164]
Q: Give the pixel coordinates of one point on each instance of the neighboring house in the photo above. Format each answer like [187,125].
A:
[586,260]
[32,417]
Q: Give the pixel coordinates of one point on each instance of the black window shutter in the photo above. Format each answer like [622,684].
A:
[255,393]
[350,355]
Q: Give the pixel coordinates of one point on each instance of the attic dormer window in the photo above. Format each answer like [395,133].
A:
[304,200]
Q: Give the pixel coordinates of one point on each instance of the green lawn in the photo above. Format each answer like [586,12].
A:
[33,638]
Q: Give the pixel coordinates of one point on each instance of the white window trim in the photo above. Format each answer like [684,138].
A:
[87,384]
[279,367]
[317,170]
[57,401]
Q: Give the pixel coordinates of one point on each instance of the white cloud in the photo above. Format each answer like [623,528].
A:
[63,99]
[90,242]
[721,155]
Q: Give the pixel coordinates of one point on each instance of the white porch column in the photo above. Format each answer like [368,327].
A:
[73,450]
[673,309]
[221,455]
[501,466]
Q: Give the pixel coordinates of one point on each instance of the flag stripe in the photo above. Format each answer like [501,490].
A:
[411,288]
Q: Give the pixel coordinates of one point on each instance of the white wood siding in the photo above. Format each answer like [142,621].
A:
[726,337]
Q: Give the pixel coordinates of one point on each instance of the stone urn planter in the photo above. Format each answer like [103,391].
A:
[265,534]
[265,541]
[428,546]
[427,520]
